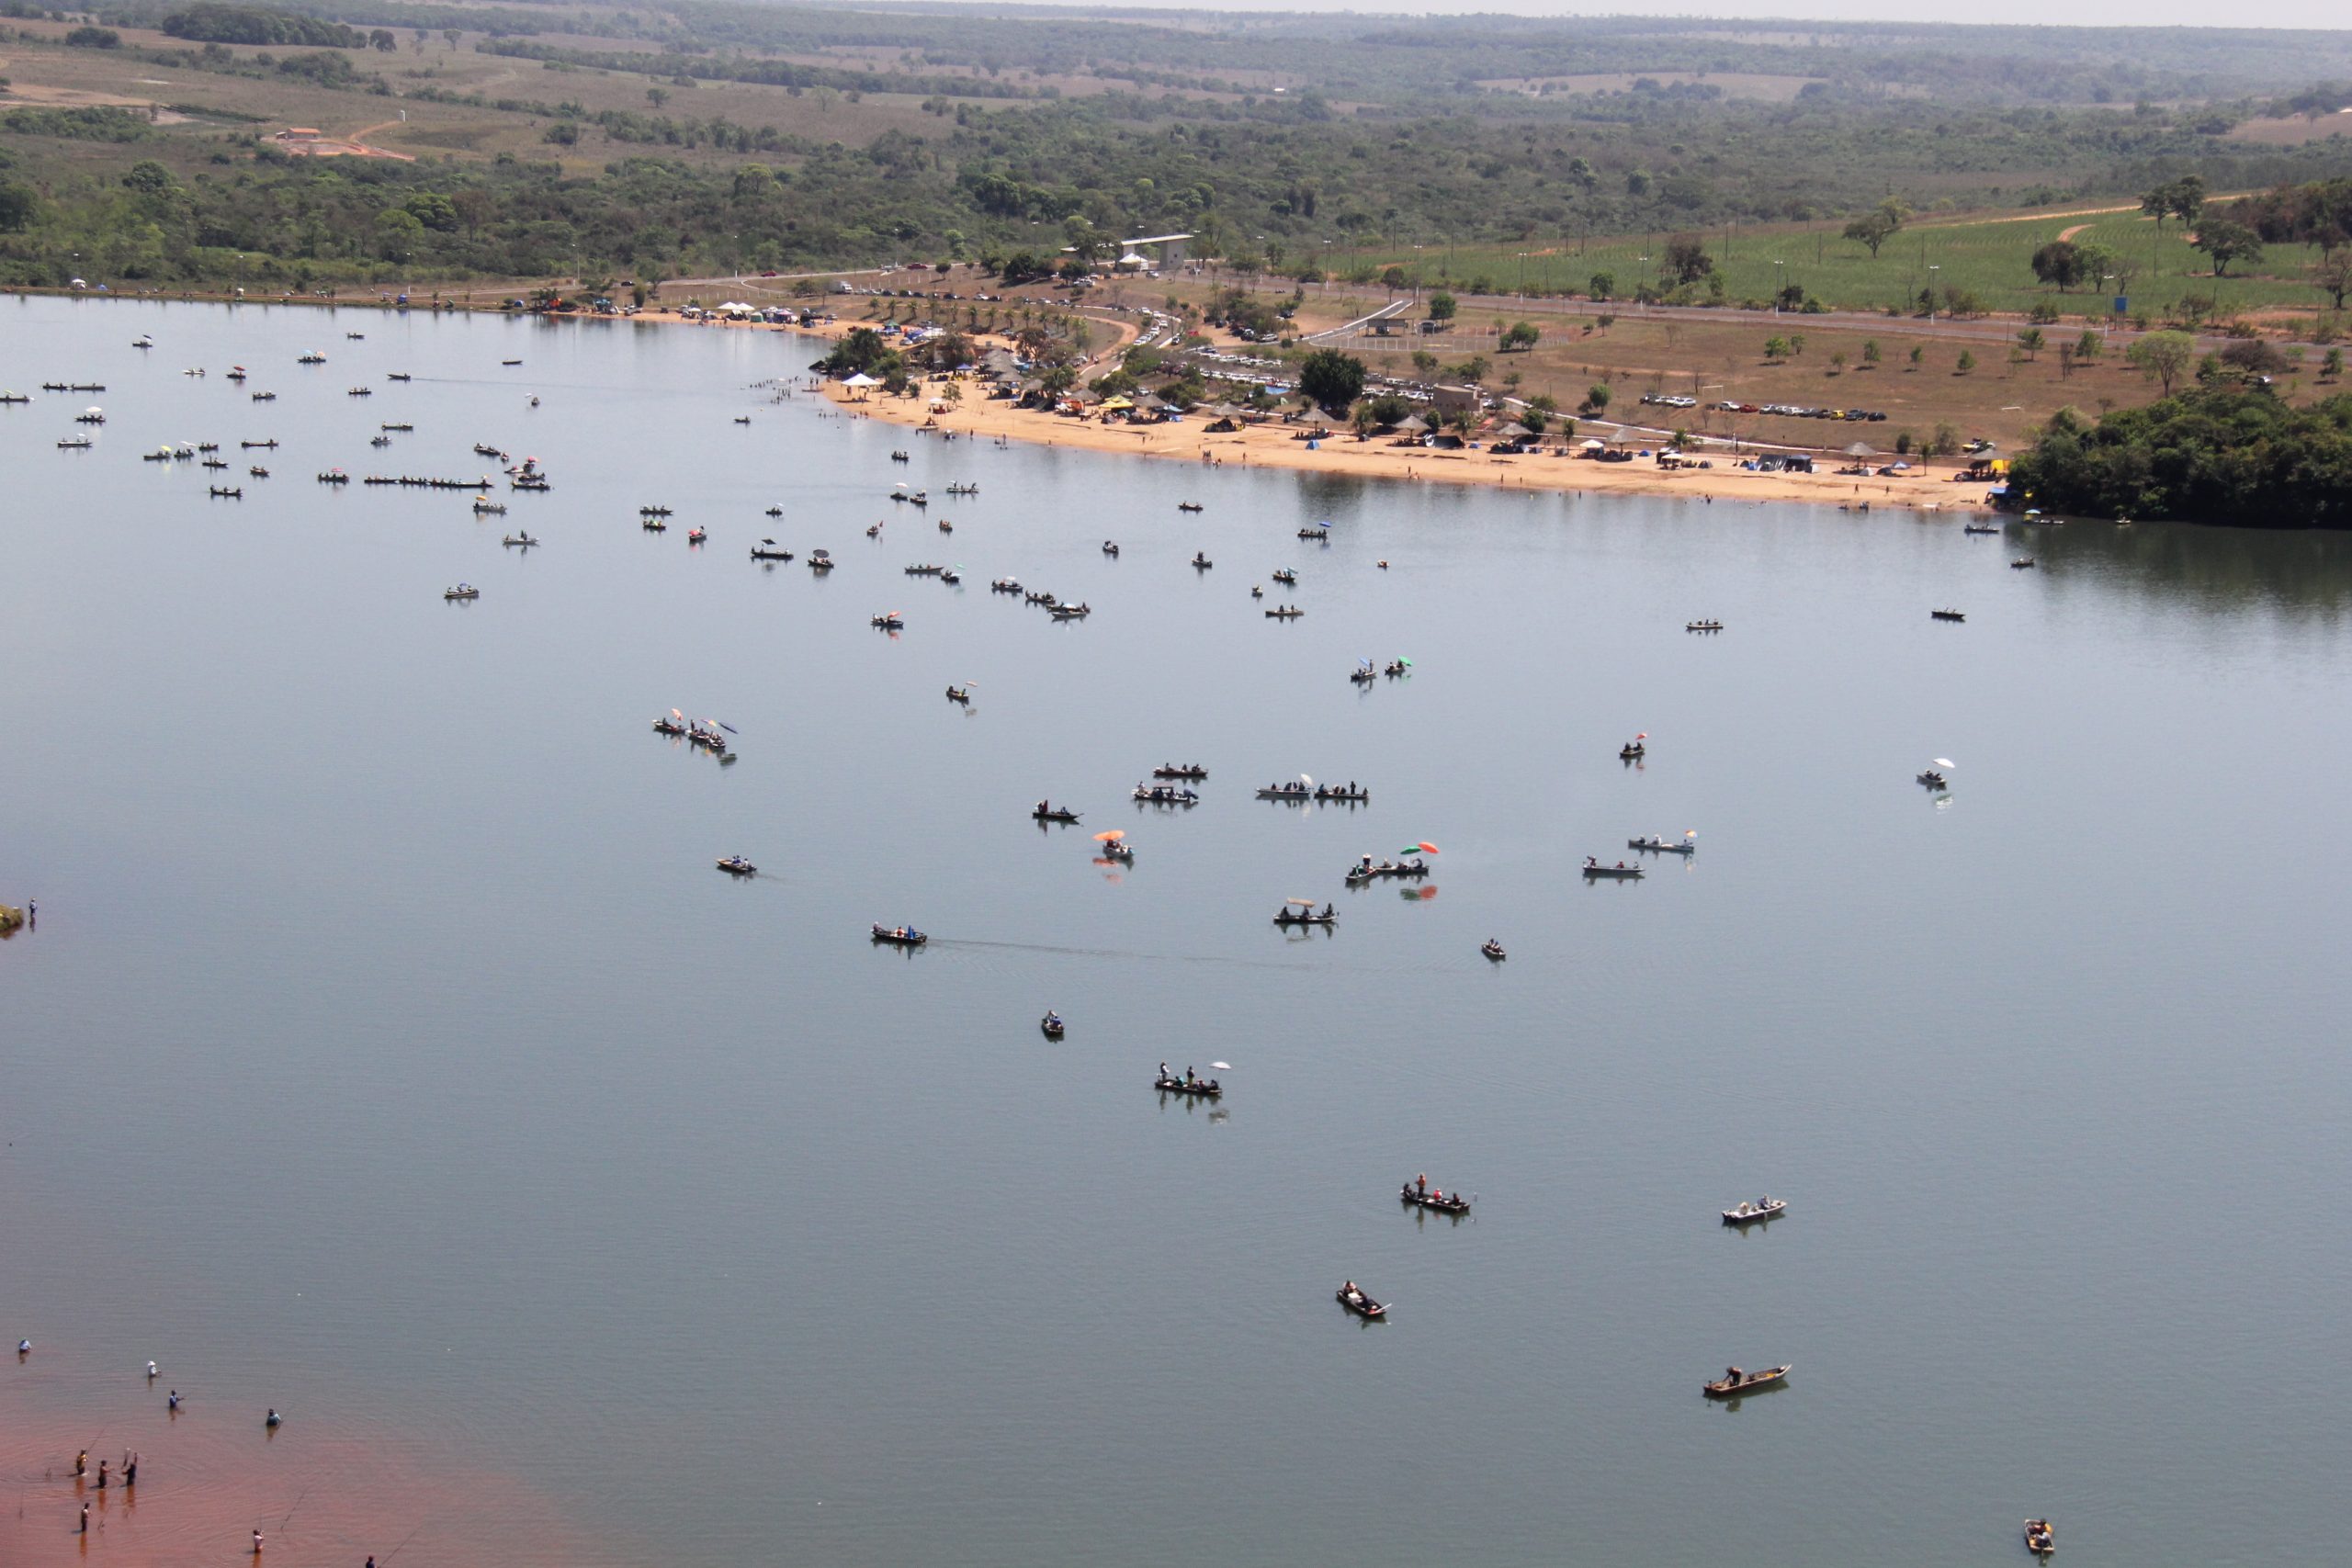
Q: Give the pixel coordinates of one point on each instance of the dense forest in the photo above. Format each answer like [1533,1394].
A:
[2225,452]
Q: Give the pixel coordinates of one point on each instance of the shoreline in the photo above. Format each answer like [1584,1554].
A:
[1280,447]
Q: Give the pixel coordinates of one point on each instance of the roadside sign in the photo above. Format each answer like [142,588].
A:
[2123,304]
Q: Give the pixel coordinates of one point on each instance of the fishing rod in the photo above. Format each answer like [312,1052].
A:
[398,1550]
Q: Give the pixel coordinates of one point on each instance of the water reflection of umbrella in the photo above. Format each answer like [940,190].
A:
[1112,837]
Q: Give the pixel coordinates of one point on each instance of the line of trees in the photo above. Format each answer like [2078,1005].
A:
[2221,453]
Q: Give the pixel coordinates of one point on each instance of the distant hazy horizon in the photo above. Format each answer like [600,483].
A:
[2282,13]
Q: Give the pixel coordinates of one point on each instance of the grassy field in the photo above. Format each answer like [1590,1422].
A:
[1989,258]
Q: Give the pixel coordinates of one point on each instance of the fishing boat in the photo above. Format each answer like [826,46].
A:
[963,489]
[1365,871]
[1932,779]
[669,724]
[1594,868]
[649,511]
[736,865]
[1078,612]
[397,375]
[904,936]
[399,427]
[1193,770]
[1686,845]
[889,623]
[1109,547]
[1044,812]
[380,441]
[945,527]
[1286,575]
[1947,615]
[1321,535]
[1308,918]
[1256,592]
[236,494]
[1284,612]
[1201,561]
[652,524]
[959,695]
[1363,676]
[510,362]
[1053,1026]
[91,416]
[75,444]
[742,419]
[900,457]
[1422,1197]
[1047,599]
[1165,795]
[257,473]
[696,535]
[924,571]
[766,550]
[1121,850]
[774,511]
[485,508]
[463,590]
[143,341]
[359,391]
[819,561]
[518,541]
[1397,667]
[236,373]
[1200,1088]
[2040,1539]
[1287,792]
[355,337]
[2021,563]
[270,445]
[1344,794]
[264,397]
[13,397]
[1702,626]
[1981,528]
[874,531]
[335,477]
[1356,1302]
[1005,585]
[1735,1382]
[706,735]
[1188,506]
[1493,950]
[1745,1212]
[1631,750]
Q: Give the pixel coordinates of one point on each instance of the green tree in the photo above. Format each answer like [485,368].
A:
[2225,240]
[1687,260]
[1442,307]
[2332,275]
[2332,368]
[1870,355]
[2030,341]
[1879,225]
[657,96]
[1966,363]
[2163,355]
[2058,263]
[1424,362]
[1776,349]
[1520,337]
[1332,379]
[1602,286]
[149,178]
[17,205]
[382,41]
[2088,347]
[1596,397]
[1918,355]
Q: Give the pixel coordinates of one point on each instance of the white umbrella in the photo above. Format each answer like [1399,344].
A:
[861,379]
[1944,762]
[1220,1066]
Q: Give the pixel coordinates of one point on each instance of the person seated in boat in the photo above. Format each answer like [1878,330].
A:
[1350,1289]
[1326,911]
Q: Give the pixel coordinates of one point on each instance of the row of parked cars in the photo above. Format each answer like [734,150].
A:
[1789,411]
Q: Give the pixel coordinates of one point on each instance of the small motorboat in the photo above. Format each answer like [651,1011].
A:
[2021,563]
[1631,750]
[235,495]
[1165,795]
[736,865]
[1686,845]
[1745,1213]
[1493,950]
[1188,506]
[668,725]
[1043,812]
[963,489]
[359,391]
[1594,868]
[1735,1382]
[75,444]
[1180,771]
[1053,1026]
[696,535]
[1078,612]
[776,511]
[1933,779]
[397,375]
[945,527]
[742,419]
[1305,918]
[257,473]
[143,341]
[1203,1088]
[510,362]
[2038,1538]
[1288,613]
[1421,1196]
[519,541]
[1356,1302]
[270,445]
[1364,675]
[1981,528]
[1286,575]
[889,623]
[1702,626]
[1109,547]
[1005,585]
[924,570]
[1047,599]
[1946,615]
[649,511]
[1322,535]
[409,428]
[652,524]
[766,549]
[1201,561]
[959,695]
[486,508]
[463,590]
[904,936]
[1256,592]
[819,561]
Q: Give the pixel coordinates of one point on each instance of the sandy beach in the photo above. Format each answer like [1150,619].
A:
[1277,445]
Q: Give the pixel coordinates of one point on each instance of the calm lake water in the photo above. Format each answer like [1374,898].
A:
[389,1051]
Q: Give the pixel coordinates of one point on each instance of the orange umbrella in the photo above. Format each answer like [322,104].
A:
[1112,837]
